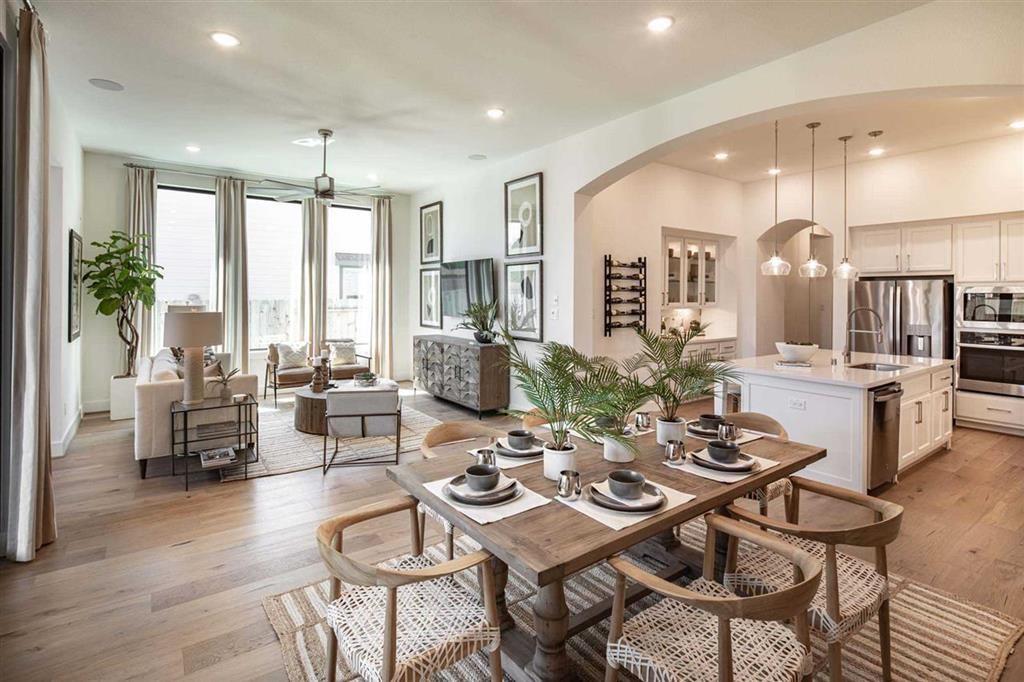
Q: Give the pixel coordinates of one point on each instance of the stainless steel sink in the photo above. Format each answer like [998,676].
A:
[877,366]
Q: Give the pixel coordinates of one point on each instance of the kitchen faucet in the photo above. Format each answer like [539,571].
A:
[850,332]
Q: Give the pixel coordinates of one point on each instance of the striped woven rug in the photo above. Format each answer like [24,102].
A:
[935,636]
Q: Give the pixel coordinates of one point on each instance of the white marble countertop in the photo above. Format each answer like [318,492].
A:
[823,372]
[707,339]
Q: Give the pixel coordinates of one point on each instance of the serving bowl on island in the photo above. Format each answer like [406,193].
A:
[796,352]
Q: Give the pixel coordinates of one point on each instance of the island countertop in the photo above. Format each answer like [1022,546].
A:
[822,370]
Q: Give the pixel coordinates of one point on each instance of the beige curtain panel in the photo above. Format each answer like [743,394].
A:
[380,274]
[232,276]
[141,212]
[31,522]
[313,302]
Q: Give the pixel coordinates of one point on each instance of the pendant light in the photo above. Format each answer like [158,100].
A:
[845,269]
[776,266]
[812,268]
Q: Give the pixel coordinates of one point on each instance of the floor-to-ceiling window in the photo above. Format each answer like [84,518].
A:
[185,245]
[349,290]
[274,249]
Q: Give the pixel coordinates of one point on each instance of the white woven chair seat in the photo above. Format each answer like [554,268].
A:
[861,589]
[671,642]
[439,624]
[424,509]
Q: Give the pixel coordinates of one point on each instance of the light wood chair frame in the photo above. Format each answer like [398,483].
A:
[788,603]
[878,534]
[373,459]
[762,423]
[343,568]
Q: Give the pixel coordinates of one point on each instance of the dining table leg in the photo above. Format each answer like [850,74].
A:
[721,549]
[551,623]
[500,570]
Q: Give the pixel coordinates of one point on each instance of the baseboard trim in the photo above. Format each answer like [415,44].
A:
[90,406]
[59,448]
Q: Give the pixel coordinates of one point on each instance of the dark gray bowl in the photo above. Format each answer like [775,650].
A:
[723,451]
[482,477]
[520,439]
[626,483]
[711,422]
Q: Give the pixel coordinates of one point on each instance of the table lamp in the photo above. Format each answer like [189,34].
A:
[192,331]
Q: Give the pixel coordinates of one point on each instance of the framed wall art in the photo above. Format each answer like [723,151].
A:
[524,300]
[430,298]
[431,232]
[74,285]
[524,216]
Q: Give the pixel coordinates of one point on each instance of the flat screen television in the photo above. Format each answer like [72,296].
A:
[464,282]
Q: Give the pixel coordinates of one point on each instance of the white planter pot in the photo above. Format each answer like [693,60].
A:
[667,431]
[557,461]
[617,452]
[122,398]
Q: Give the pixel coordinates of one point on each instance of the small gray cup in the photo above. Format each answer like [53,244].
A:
[486,456]
[674,451]
[570,486]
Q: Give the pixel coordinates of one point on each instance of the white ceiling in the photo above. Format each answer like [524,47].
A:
[908,125]
[404,84]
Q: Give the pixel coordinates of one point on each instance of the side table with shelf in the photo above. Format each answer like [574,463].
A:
[242,426]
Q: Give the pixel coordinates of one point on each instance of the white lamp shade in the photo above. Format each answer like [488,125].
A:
[193,330]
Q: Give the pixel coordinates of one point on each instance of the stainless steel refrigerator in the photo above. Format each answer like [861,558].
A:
[917,316]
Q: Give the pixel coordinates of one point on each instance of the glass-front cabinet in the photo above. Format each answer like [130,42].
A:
[690,272]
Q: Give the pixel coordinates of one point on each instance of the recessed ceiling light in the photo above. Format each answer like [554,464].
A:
[372,177]
[721,156]
[495,113]
[660,24]
[224,39]
[311,141]
[105,84]
[477,157]
[876,151]
[1018,124]
[774,171]
[194,148]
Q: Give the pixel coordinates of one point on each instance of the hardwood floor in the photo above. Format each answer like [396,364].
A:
[146,581]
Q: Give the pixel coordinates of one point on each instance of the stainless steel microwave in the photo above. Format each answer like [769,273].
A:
[990,307]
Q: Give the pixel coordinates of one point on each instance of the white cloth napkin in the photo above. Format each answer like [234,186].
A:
[617,520]
[484,515]
[747,436]
[721,476]
[503,462]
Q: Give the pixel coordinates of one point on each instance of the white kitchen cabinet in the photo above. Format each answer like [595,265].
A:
[978,249]
[1012,248]
[691,267]
[877,249]
[928,248]
[941,416]
[908,447]
[922,419]
[672,262]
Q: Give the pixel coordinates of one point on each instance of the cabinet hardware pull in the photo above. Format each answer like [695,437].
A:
[998,409]
[920,412]
[897,262]
[1004,270]
[908,262]
[997,269]
[945,401]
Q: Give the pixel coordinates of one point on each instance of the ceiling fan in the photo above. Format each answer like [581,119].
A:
[323,184]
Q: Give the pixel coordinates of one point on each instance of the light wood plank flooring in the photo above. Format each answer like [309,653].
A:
[145,581]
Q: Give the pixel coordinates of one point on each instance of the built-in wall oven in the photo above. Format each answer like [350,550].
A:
[991,361]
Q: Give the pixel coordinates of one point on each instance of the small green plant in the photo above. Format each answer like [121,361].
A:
[480,318]
[619,393]
[121,278]
[675,376]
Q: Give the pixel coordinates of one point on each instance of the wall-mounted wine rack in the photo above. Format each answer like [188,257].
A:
[625,294]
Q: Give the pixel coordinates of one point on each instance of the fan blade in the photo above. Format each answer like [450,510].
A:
[267,181]
[358,189]
[294,196]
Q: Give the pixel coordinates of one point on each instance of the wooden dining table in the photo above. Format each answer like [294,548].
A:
[548,544]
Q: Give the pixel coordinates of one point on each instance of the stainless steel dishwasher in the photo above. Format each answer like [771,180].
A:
[884,434]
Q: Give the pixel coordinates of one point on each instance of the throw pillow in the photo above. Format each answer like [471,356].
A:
[343,353]
[212,370]
[291,355]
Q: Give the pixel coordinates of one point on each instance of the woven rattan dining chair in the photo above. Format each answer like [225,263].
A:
[703,631]
[853,590]
[762,423]
[407,619]
[448,432]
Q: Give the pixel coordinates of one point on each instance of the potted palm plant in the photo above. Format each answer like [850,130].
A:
[620,392]
[480,318]
[675,376]
[558,384]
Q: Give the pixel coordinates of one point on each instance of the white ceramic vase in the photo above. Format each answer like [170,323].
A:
[667,430]
[617,452]
[557,461]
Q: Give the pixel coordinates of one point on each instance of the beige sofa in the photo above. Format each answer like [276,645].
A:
[156,387]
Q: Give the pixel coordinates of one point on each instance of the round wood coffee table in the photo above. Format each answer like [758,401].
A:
[310,411]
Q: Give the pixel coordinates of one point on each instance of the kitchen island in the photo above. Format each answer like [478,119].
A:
[833,406]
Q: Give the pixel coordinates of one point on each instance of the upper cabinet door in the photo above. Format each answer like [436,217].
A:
[710,294]
[693,273]
[978,252]
[877,250]
[672,295]
[1013,250]
[928,248]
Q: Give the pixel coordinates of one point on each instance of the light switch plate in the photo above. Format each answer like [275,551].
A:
[797,404]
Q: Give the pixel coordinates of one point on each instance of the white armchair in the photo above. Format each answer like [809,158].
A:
[156,388]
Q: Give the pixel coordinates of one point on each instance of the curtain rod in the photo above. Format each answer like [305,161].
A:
[252,178]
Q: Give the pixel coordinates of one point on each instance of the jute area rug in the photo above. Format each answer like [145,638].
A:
[935,635]
[284,450]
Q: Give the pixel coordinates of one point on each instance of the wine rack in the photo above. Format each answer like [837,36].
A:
[625,294]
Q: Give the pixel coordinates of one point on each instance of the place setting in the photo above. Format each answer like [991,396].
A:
[623,498]
[485,494]
[721,460]
[710,427]
[519,447]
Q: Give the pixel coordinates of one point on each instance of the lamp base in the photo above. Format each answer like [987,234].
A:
[195,387]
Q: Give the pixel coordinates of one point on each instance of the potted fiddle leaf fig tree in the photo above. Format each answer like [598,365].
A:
[619,392]
[675,376]
[558,385]
[480,318]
